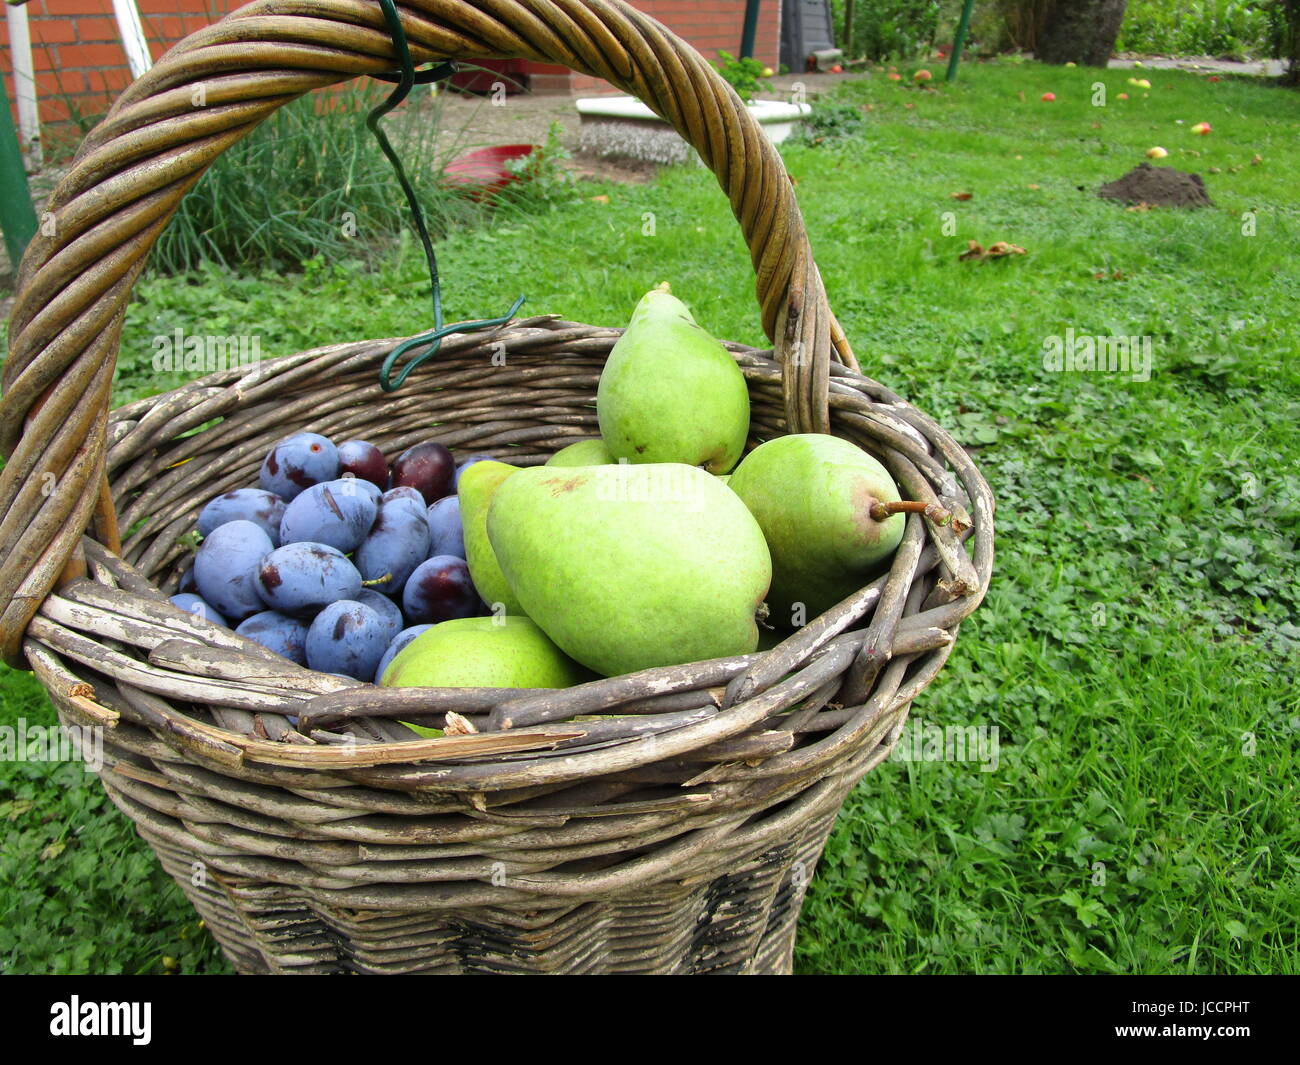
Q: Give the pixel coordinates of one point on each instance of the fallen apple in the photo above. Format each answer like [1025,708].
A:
[922,75]
[1201,128]
[1049,97]
[1156,153]
[894,77]
[1214,77]
[837,69]
[768,72]
[1122,96]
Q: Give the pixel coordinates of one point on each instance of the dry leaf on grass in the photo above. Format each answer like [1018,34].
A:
[997,250]
[961,195]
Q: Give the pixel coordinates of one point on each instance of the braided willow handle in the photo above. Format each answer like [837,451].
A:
[210,90]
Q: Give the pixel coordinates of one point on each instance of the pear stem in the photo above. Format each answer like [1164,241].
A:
[881,511]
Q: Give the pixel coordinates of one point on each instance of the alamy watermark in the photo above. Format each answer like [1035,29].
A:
[180,352]
[53,743]
[1080,353]
[924,742]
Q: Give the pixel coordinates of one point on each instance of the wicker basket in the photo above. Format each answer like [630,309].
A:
[675,837]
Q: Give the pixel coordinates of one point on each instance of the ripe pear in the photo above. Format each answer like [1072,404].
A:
[478,484]
[496,652]
[627,567]
[811,495]
[670,392]
[583,453]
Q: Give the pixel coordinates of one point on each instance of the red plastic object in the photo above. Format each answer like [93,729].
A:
[483,172]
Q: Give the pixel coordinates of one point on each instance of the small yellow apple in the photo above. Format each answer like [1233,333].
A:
[1156,153]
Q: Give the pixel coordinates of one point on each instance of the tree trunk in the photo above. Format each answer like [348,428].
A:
[1081,31]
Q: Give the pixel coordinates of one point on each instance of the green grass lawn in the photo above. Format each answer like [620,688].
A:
[1138,649]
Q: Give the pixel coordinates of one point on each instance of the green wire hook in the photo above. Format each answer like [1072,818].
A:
[406,79]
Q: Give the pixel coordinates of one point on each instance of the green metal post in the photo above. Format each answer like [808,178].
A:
[848,29]
[959,41]
[17,218]
[750,30]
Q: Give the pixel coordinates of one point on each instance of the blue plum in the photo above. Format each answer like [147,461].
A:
[362,459]
[297,462]
[397,543]
[244,504]
[225,568]
[339,513]
[300,579]
[429,468]
[446,533]
[284,635]
[389,612]
[347,637]
[440,589]
[196,606]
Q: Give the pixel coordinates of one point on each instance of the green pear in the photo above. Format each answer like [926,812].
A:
[495,652]
[811,495]
[669,392]
[627,567]
[583,453]
[478,484]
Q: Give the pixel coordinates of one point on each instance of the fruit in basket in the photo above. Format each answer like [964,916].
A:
[196,605]
[389,612]
[583,453]
[225,568]
[297,462]
[302,578]
[244,504]
[477,487]
[812,494]
[408,498]
[339,513]
[465,463]
[429,468]
[445,529]
[362,459]
[440,589]
[670,392]
[395,646]
[347,637]
[504,652]
[277,632]
[631,566]
[397,542]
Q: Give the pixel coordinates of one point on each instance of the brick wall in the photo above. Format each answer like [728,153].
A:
[81,66]
[78,58]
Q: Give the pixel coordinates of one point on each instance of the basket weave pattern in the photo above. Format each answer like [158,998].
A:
[673,832]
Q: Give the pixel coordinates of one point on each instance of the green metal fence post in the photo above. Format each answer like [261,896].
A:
[959,41]
[750,30]
[17,217]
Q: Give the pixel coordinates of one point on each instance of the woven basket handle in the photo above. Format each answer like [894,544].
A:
[210,90]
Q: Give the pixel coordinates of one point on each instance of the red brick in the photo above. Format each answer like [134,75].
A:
[108,80]
[60,83]
[52,31]
[92,55]
[92,29]
[64,8]
[46,57]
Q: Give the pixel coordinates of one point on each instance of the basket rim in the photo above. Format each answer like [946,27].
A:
[740,692]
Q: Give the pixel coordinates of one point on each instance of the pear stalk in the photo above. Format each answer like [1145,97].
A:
[937,514]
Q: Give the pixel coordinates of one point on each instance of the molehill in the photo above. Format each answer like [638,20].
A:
[1159,186]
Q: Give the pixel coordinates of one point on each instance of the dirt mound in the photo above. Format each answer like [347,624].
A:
[1159,186]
